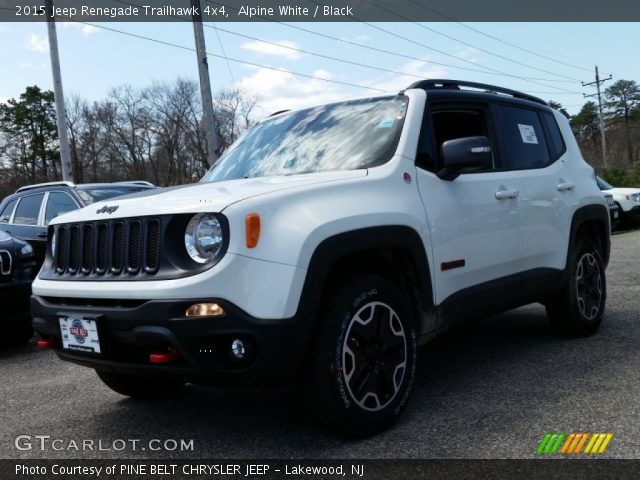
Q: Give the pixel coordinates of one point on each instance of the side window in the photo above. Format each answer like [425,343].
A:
[57,204]
[449,124]
[556,142]
[28,210]
[524,139]
[5,215]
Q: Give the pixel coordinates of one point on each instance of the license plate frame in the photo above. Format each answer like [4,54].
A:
[80,333]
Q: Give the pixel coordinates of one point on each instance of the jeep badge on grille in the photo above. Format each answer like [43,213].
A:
[107,209]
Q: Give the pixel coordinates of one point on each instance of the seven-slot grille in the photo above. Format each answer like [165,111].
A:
[114,247]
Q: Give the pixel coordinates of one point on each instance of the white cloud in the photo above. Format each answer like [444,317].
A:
[416,70]
[37,43]
[85,29]
[281,90]
[279,50]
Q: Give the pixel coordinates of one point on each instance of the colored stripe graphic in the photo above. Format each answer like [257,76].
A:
[573,443]
[550,443]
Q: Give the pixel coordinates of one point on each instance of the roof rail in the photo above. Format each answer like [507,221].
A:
[278,112]
[440,84]
[138,182]
[46,184]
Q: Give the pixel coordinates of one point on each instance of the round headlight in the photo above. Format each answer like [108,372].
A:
[203,237]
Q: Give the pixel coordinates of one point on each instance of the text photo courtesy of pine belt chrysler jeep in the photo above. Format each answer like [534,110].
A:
[326,244]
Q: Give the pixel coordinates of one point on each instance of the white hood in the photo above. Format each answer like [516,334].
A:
[623,191]
[199,197]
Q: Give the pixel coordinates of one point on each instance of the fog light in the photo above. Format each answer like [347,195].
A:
[204,310]
[238,350]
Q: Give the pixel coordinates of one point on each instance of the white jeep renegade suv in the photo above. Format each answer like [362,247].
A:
[328,243]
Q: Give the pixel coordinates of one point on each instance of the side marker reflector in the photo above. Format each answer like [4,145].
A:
[252,229]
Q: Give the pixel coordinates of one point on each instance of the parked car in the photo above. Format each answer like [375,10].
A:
[326,244]
[17,271]
[27,213]
[614,210]
[627,199]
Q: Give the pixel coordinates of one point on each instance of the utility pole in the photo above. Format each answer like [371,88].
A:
[603,139]
[205,83]
[61,114]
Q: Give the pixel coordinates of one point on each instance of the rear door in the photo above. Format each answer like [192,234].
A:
[533,147]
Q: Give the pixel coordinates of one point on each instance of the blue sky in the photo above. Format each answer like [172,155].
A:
[94,60]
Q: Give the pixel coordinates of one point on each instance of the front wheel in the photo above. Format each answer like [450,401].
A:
[579,307]
[363,362]
[140,387]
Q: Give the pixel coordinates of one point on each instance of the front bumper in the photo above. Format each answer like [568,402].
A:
[131,330]
[633,212]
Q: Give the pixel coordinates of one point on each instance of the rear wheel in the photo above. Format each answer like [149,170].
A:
[364,358]
[579,307]
[140,387]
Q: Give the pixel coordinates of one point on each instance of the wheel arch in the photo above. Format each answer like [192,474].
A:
[383,250]
[592,220]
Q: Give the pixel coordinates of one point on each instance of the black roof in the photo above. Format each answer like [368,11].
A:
[435,85]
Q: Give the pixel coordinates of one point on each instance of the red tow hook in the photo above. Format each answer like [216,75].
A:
[164,357]
[45,343]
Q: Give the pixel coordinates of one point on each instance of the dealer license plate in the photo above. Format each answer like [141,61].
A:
[79,334]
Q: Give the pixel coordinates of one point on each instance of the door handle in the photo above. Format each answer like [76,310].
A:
[507,194]
[565,186]
[41,235]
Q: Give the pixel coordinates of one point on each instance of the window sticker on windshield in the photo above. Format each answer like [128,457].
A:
[528,134]
[386,123]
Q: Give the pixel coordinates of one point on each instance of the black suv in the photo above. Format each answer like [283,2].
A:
[27,213]
[17,271]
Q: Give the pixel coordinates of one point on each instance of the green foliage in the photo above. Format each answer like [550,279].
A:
[586,123]
[619,177]
[29,133]
[558,106]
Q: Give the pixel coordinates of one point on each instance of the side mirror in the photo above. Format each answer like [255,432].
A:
[467,153]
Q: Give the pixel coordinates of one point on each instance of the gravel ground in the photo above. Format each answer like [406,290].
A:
[487,390]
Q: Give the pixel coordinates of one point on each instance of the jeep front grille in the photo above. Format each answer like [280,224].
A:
[124,247]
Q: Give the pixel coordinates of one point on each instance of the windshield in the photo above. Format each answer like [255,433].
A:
[340,136]
[602,185]
[97,194]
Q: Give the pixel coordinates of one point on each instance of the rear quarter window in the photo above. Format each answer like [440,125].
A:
[556,142]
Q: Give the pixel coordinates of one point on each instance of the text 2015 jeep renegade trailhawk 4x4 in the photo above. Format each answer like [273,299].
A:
[326,244]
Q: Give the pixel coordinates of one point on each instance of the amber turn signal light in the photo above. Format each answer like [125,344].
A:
[252,229]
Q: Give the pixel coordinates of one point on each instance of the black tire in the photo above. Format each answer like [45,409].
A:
[140,387]
[362,363]
[579,307]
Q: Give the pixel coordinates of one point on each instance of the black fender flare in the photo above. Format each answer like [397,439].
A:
[341,245]
[586,214]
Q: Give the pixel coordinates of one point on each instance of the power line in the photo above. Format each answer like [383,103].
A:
[462,59]
[223,53]
[244,62]
[489,52]
[443,52]
[561,62]
[388,52]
